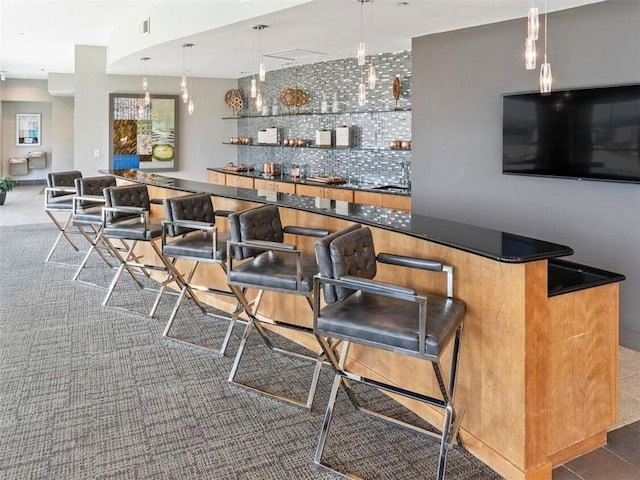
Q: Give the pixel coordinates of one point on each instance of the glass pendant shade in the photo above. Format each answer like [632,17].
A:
[362,94]
[185,95]
[147,98]
[533,23]
[145,84]
[254,87]
[262,72]
[183,83]
[361,54]
[546,79]
[141,109]
[530,54]
[372,77]
[259,101]
[190,106]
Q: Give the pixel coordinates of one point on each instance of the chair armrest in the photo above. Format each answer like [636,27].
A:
[375,286]
[411,262]
[144,215]
[191,224]
[96,202]
[134,210]
[421,263]
[265,245]
[306,231]
[223,213]
[68,190]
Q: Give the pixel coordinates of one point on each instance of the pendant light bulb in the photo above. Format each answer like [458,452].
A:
[546,79]
[185,95]
[533,23]
[262,72]
[254,87]
[361,54]
[362,94]
[530,54]
[259,101]
[147,98]
[372,77]
[190,106]
[145,84]
[183,83]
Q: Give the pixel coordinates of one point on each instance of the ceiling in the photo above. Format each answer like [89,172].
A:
[38,37]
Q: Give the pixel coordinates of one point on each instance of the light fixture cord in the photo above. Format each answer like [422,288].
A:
[545,31]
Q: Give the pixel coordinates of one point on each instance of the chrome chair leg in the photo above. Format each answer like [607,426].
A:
[63,232]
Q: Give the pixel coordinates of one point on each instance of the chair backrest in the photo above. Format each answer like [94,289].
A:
[352,254]
[323,258]
[196,207]
[126,196]
[260,223]
[93,186]
[62,179]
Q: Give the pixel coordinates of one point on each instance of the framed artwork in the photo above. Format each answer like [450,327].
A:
[142,136]
[28,129]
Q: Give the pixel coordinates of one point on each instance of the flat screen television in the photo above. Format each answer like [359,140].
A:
[588,134]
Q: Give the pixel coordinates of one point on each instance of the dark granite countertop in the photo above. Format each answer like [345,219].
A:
[493,244]
[387,188]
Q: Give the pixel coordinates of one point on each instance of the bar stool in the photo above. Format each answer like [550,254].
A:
[261,260]
[87,218]
[125,217]
[380,315]
[58,201]
[190,222]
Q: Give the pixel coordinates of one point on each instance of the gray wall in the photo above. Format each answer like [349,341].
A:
[201,134]
[458,79]
[31,96]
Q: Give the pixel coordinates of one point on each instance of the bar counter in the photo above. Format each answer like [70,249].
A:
[538,373]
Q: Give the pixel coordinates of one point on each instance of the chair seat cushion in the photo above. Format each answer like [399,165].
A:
[198,246]
[88,217]
[274,270]
[391,323]
[133,231]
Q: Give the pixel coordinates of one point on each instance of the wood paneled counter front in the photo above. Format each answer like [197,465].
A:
[538,368]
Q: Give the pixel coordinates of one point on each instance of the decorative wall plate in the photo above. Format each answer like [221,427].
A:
[233,99]
[293,97]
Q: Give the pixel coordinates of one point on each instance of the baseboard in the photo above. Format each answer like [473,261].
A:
[35,181]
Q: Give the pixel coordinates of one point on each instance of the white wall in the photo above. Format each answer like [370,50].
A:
[458,80]
[201,134]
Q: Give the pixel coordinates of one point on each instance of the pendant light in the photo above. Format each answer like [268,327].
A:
[533,26]
[546,79]
[362,49]
[262,71]
[185,83]
[145,101]
[372,76]
[186,71]
[533,22]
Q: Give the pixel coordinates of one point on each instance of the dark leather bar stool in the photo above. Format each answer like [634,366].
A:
[58,201]
[87,218]
[189,234]
[380,315]
[258,258]
[125,217]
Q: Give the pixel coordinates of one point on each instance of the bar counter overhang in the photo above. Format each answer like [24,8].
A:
[538,374]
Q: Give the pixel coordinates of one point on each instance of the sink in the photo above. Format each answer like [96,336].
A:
[393,188]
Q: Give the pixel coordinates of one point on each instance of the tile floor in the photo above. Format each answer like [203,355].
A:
[618,460]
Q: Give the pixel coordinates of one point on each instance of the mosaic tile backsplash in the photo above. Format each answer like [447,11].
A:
[329,84]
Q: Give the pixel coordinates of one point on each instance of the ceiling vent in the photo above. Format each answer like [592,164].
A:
[144,27]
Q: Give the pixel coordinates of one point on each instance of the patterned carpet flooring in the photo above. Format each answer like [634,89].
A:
[93,392]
